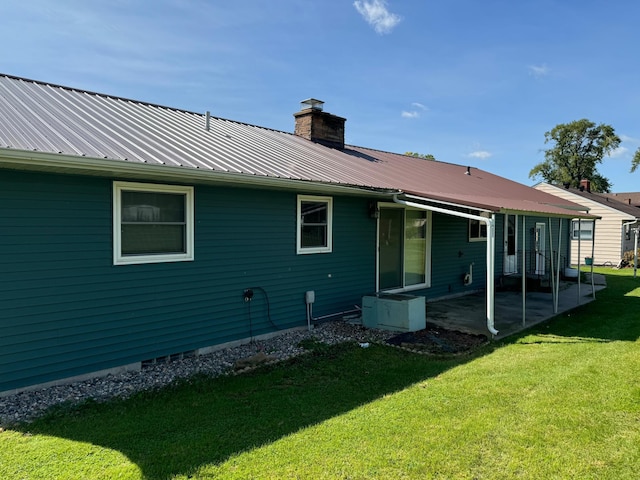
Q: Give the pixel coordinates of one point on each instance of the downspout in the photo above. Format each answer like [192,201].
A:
[491,241]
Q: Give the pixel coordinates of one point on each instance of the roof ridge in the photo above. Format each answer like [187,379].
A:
[139,102]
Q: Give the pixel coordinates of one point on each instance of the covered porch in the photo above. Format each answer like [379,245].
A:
[468,313]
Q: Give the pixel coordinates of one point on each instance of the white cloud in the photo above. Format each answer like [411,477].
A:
[481,154]
[539,70]
[627,138]
[619,152]
[414,113]
[376,14]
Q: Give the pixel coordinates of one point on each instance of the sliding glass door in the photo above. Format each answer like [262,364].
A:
[403,248]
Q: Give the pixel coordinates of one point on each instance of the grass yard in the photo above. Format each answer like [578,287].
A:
[559,401]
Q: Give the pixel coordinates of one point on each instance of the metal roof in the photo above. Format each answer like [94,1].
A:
[49,122]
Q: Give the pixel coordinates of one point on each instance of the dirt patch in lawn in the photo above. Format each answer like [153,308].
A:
[438,340]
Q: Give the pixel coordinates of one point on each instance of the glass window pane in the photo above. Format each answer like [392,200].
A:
[511,234]
[152,207]
[477,229]
[391,240]
[314,236]
[138,239]
[582,230]
[314,212]
[415,247]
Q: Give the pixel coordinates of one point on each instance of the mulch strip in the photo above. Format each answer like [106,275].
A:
[439,341]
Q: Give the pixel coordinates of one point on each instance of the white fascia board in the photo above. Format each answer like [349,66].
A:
[570,213]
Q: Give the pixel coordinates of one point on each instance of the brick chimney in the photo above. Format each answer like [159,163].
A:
[585,185]
[318,126]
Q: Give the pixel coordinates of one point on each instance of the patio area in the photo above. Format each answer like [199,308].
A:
[468,313]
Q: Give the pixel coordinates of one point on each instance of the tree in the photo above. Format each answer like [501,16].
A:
[426,156]
[578,147]
[635,163]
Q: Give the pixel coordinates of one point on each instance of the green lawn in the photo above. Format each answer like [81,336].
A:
[559,401]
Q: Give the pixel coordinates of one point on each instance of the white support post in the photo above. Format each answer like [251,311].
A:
[551,274]
[579,263]
[558,264]
[491,281]
[593,251]
[635,251]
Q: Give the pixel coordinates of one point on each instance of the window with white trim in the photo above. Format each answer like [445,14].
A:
[152,223]
[314,224]
[477,230]
[582,229]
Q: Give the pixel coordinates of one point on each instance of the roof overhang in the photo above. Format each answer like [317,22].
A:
[544,210]
[74,165]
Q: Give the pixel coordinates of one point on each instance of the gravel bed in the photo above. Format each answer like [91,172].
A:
[25,406]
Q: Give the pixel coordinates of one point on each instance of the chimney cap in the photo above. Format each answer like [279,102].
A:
[312,103]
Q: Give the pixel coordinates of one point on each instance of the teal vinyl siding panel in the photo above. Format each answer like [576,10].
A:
[67,310]
[451,254]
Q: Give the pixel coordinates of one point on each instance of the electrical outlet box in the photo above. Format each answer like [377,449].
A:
[309,297]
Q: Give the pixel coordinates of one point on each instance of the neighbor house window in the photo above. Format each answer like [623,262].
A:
[314,227]
[477,230]
[152,223]
[582,229]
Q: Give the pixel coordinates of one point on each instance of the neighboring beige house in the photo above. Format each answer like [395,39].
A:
[613,233]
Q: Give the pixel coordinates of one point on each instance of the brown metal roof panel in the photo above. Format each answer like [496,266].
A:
[444,180]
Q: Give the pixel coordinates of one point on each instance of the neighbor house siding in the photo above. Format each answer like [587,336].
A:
[609,240]
[67,310]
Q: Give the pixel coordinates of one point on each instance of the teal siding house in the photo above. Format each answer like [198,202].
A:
[131,232]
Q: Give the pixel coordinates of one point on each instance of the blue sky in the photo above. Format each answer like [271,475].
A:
[471,82]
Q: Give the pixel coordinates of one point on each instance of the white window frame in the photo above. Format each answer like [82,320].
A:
[328,248]
[479,238]
[579,226]
[118,257]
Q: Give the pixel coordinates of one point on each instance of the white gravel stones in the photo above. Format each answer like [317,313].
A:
[25,406]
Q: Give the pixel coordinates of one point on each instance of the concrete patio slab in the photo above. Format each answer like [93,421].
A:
[468,313]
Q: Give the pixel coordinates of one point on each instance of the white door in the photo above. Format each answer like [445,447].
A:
[510,242]
[540,249]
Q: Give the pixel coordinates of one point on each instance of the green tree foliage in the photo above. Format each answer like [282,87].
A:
[578,147]
[636,161]
[426,156]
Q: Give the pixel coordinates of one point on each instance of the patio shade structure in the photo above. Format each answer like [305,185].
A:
[488,217]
